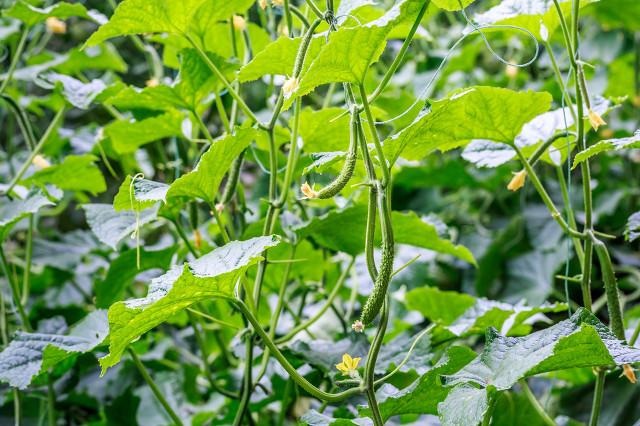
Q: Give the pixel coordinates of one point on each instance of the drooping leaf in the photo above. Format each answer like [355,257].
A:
[77,93]
[32,15]
[213,275]
[30,354]
[75,173]
[12,211]
[580,341]
[408,229]
[203,182]
[632,230]
[111,226]
[123,270]
[607,145]
[146,193]
[489,113]
[127,135]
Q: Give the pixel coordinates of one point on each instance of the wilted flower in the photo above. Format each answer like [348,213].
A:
[595,119]
[308,191]
[56,26]
[518,181]
[628,372]
[349,365]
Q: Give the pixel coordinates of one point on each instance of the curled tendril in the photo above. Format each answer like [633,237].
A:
[474,29]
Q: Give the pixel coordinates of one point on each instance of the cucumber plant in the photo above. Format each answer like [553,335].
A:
[319,212]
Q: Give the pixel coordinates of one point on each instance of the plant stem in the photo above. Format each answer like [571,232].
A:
[370,366]
[400,55]
[293,373]
[26,276]
[597,398]
[570,217]
[154,387]
[536,404]
[26,325]
[611,288]
[14,60]
[243,106]
[334,292]
[51,402]
[386,176]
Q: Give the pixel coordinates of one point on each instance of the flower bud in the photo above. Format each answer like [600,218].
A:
[239,23]
[308,191]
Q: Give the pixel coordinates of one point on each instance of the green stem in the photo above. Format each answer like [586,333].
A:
[51,402]
[400,55]
[26,276]
[558,74]
[597,398]
[536,404]
[154,388]
[570,216]
[36,150]
[26,324]
[372,356]
[17,408]
[287,17]
[545,197]
[304,325]
[315,9]
[243,106]
[293,154]
[611,288]
[386,175]
[282,359]
[14,60]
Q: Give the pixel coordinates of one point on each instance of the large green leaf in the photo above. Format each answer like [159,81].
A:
[75,173]
[408,229]
[580,341]
[30,354]
[213,275]
[607,145]
[489,113]
[32,15]
[322,132]
[127,135]
[618,14]
[141,16]
[423,395]
[111,226]
[452,4]
[77,93]
[203,182]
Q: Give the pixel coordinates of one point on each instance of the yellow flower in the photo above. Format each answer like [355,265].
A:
[629,373]
[511,71]
[152,82]
[308,191]
[518,181]
[56,26]
[41,162]
[239,23]
[595,119]
[349,365]
[262,4]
